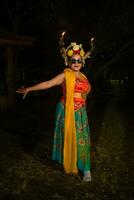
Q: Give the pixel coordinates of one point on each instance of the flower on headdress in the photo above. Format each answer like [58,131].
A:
[76,47]
[73,44]
[70,52]
[82,53]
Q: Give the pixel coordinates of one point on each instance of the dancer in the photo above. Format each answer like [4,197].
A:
[71,144]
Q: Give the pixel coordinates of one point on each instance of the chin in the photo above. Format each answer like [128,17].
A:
[75,68]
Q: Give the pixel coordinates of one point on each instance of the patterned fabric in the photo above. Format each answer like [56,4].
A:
[81,86]
[82,134]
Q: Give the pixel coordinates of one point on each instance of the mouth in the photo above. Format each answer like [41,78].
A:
[76,68]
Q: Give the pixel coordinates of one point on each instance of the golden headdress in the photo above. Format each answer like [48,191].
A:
[74,48]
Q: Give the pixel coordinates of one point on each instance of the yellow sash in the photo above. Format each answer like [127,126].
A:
[70,143]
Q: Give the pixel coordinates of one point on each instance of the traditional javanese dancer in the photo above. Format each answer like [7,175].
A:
[71,144]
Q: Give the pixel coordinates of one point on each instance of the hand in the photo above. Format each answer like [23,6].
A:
[23,91]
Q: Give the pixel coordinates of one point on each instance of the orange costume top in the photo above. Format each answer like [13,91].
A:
[81,89]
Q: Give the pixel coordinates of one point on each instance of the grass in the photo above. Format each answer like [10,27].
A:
[27,172]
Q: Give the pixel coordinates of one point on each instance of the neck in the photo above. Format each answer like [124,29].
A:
[77,73]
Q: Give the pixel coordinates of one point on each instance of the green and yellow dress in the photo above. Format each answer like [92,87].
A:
[71,145]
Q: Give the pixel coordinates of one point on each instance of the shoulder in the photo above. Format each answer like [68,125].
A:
[60,78]
[61,75]
[67,71]
[83,76]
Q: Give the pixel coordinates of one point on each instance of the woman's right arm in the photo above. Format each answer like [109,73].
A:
[57,80]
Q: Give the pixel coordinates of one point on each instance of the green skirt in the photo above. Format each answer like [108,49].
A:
[82,134]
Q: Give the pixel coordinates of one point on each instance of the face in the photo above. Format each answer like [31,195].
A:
[75,62]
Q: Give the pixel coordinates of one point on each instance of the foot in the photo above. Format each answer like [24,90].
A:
[87,176]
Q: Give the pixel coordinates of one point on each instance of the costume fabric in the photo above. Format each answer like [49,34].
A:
[71,145]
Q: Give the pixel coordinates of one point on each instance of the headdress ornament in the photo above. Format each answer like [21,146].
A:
[74,48]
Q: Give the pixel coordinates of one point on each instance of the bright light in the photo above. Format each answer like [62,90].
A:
[63,33]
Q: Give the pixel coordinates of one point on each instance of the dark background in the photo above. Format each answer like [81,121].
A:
[26,129]
[110,22]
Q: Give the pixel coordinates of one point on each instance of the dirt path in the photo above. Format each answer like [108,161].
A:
[114,149]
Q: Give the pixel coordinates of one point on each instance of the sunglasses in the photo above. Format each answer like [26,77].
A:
[74,61]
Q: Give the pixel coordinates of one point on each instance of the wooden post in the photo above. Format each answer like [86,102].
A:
[10,76]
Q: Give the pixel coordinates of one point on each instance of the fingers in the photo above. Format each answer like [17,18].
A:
[23,91]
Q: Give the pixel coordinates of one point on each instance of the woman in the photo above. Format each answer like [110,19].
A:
[71,137]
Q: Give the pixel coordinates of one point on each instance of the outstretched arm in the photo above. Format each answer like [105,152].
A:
[57,80]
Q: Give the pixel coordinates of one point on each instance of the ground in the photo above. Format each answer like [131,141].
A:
[26,137]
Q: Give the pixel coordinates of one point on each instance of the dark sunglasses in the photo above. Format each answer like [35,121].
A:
[74,61]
